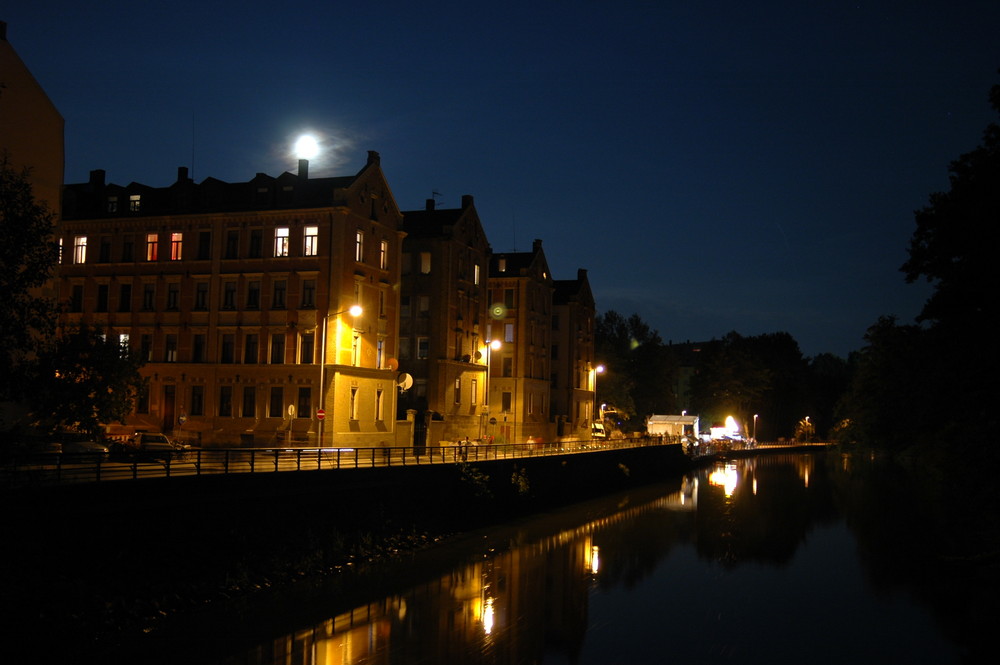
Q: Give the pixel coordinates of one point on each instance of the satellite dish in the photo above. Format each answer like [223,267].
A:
[405,381]
[392,364]
[479,355]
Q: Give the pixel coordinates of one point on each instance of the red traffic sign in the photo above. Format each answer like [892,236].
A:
[320,414]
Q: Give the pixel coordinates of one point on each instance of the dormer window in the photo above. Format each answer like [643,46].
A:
[135,202]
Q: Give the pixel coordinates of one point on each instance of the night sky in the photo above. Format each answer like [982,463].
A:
[715,166]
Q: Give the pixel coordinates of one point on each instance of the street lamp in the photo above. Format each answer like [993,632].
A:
[355,311]
[597,370]
[755,428]
[491,345]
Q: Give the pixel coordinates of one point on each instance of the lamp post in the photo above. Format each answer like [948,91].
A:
[491,345]
[355,311]
[755,428]
[597,370]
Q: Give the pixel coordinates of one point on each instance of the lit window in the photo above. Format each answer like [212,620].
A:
[508,332]
[475,390]
[281,241]
[311,245]
[425,263]
[80,249]
[134,202]
[475,270]
[359,245]
[152,242]
[176,241]
[383,255]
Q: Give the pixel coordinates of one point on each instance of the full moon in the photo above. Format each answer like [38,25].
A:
[306,147]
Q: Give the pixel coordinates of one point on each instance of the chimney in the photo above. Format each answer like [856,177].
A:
[429,204]
[373,157]
[3,31]
[466,201]
[97,178]
[304,169]
[537,245]
[182,174]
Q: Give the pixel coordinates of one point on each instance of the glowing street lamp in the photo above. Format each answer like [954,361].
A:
[597,370]
[355,311]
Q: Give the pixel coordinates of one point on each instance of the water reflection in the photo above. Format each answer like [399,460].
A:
[749,560]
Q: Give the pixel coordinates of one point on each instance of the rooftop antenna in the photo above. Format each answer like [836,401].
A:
[513,230]
[435,195]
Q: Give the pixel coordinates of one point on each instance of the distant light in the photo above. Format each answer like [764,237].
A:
[306,147]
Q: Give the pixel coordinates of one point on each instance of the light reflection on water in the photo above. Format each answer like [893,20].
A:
[746,562]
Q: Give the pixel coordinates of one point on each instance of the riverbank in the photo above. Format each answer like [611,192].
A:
[93,565]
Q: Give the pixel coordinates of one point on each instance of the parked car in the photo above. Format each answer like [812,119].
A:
[155,445]
[85,446]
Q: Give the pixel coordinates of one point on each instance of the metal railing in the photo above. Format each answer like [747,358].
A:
[62,468]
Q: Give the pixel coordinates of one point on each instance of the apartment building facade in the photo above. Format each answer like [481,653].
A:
[240,297]
[574,369]
[443,321]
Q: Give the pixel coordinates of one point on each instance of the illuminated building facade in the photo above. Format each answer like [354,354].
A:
[238,296]
[574,368]
[443,313]
[521,309]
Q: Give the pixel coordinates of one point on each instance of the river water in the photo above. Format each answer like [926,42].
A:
[809,558]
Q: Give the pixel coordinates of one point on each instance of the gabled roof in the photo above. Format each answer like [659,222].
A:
[573,290]
[521,264]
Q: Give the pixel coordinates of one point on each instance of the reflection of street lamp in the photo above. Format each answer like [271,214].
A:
[355,311]
[491,345]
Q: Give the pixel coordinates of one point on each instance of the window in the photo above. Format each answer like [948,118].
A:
[112,204]
[146,347]
[404,348]
[304,407]
[278,294]
[475,391]
[505,402]
[102,297]
[232,245]
[277,348]
[148,297]
[379,353]
[423,348]
[381,303]
[281,241]
[424,306]
[228,348]
[256,243]
[425,263]
[383,255]
[359,245]
[508,332]
[124,297]
[251,349]
[356,350]
[201,295]
[198,348]
[253,295]
[173,295]
[76,298]
[142,400]
[135,202]
[225,401]
[379,404]
[458,391]
[274,408]
[128,249]
[353,415]
[197,400]
[475,274]
[204,245]
[404,306]
[104,252]
[249,401]
[170,349]
[60,256]
[307,348]
[176,241]
[152,243]
[308,293]
[310,244]
[508,298]
[80,249]
[508,366]
[229,295]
